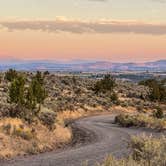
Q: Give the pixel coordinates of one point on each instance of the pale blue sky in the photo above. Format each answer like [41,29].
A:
[141,10]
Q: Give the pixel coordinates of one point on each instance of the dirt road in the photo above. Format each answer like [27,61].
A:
[94,139]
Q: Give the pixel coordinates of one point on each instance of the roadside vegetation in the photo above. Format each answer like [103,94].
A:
[157,89]
[146,151]
[142,120]
[26,126]
[36,107]
[106,86]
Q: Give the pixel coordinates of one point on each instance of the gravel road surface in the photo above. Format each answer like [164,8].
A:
[94,138]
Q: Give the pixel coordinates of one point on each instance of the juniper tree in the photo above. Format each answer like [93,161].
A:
[106,85]
[36,92]
[39,77]
[17,95]
[11,74]
[16,91]
[157,89]
[27,98]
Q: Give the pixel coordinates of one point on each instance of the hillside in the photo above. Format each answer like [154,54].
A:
[83,66]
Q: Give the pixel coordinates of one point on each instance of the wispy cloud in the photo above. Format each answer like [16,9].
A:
[157,1]
[99,0]
[79,27]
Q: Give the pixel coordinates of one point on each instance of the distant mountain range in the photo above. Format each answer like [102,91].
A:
[80,65]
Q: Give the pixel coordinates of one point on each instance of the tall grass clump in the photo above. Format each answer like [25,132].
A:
[141,120]
[146,151]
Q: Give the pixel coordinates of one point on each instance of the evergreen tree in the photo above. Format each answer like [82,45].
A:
[157,89]
[39,77]
[36,92]
[26,99]
[107,84]
[11,74]
[30,99]
[17,97]
[16,91]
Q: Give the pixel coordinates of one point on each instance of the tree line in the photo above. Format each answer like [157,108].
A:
[26,97]
[157,89]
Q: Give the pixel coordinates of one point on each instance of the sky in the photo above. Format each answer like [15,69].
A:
[115,30]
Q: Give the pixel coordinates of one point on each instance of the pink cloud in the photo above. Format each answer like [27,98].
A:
[79,27]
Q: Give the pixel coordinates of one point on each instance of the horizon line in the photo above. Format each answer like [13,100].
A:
[75,60]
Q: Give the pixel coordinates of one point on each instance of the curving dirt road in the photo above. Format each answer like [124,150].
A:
[94,139]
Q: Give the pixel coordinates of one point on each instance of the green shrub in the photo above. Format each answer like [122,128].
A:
[46,73]
[125,120]
[146,151]
[152,150]
[157,89]
[16,91]
[140,120]
[114,97]
[158,113]
[107,84]
[11,74]
[48,118]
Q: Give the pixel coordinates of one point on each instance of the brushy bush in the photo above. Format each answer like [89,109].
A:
[159,113]
[114,97]
[112,161]
[140,120]
[5,110]
[16,128]
[157,89]
[48,117]
[150,149]
[21,132]
[33,149]
[10,75]
[107,84]
[146,151]
[125,120]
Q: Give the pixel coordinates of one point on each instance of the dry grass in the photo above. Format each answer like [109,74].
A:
[69,115]
[121,109]
[49,140]
[12,136]
[62,134]
[18,138]
[64,116]
[141,120]
[147,151]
